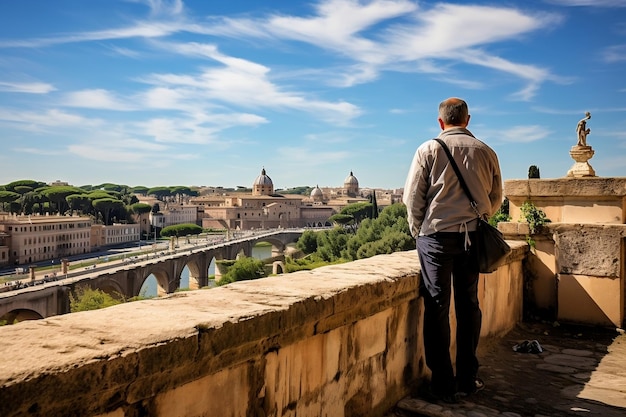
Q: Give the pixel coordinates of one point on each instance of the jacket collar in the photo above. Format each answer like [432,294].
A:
[455,131]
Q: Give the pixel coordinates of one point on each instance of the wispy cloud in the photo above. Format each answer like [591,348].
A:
[590,3]
[30,88]
[39,151]
[48,118]
[405,34]
[524,134]
[246,84]
[616,53]
[97,99]
[421,38]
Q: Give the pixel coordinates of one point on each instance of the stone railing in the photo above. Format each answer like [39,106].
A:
[341,340]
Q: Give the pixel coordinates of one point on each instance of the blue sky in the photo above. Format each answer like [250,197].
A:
[155,92]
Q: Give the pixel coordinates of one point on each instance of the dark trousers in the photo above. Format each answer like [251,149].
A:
[446,264]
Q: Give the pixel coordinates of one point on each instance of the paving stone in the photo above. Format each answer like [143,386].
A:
[577,352]
[572,361]
[412,404]
[574,376]
[475,413]
[556,368]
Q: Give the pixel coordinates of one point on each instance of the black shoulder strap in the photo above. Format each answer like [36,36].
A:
[459,175]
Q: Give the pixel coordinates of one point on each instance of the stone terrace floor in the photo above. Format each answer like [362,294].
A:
[581,372]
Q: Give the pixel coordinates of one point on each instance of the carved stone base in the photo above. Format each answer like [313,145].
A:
[581,168]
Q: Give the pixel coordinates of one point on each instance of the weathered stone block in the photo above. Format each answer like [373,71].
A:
[593,250]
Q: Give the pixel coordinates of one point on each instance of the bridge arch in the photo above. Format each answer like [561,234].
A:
[20,314]
[162,280]
[278,246]
[111,287]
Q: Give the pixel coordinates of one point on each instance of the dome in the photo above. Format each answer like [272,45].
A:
[317,195]
[263,185]
[263,179]
[317,192]
[351,185]
[351,180]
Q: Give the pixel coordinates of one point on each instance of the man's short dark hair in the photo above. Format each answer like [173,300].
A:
[453,111]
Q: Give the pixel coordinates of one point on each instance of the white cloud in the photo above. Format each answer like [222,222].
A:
[111,154]
[336,24]
[201,128]
[591,3]
[422,44]
[115,147]
[523,134]
[616,53]
[97,99]
[38,151]
[243,83]
[52,117]
[31,88]
[165,7]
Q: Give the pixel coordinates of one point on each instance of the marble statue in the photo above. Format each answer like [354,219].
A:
[582,130]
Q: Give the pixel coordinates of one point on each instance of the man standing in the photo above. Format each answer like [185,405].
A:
[444,224]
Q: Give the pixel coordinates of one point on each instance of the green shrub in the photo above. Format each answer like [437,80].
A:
[86,298]
[536,218]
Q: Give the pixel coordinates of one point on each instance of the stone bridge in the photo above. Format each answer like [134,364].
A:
[52,298]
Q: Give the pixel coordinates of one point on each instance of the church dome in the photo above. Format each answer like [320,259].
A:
[351,185]
[263,184]
[263,179]
[317,194]
[351,180]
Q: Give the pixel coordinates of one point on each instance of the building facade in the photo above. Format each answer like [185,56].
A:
[36,238]
[116,234]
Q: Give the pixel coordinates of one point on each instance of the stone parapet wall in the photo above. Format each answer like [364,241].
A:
[576,270]
[337,341]
[571,200]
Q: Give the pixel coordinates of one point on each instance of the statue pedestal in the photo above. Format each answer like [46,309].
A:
[581,168]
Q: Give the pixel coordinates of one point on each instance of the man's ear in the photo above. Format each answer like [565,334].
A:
[468,119]
[441,125]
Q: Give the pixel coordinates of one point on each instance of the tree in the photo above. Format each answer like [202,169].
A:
[342,219]
[58,195]
[80,202]
[533,172]
[330,244]
[244,269]
[106,206]
[386,234]
[160,192]
[180,230]
[359,211]
[86,299]
[27,183]
[141,208]
[23,190]
[140,189]
[374,205]
[8,197]
[107,186]
[98,194]
[307,242]
[179,192]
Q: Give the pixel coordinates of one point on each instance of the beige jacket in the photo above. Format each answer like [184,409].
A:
[434,198]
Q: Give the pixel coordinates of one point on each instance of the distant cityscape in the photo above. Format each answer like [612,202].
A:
[40,235]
